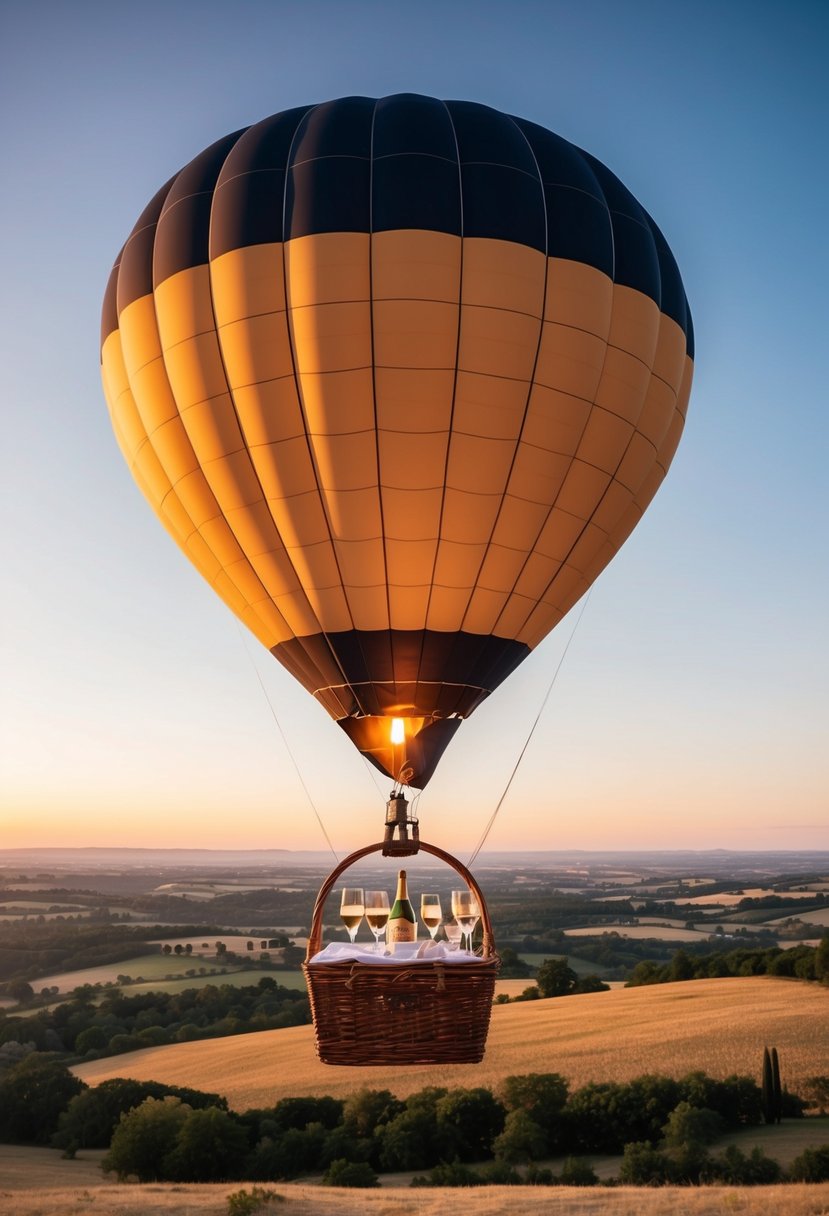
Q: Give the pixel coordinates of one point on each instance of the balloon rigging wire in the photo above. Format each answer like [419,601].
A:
[288,747]
[494,814]
[372,772]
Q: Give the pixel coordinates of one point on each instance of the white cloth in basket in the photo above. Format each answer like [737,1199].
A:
[404,952]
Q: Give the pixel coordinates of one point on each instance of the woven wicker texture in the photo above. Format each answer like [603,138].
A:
[421,1013]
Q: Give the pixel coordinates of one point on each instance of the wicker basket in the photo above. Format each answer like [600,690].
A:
[401,1013]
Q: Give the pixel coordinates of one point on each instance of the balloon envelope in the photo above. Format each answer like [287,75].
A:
[399,377]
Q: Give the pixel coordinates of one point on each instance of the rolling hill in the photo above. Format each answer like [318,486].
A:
[718,1026]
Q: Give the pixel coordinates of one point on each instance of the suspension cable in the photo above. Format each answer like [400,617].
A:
[288,747]
[494,814]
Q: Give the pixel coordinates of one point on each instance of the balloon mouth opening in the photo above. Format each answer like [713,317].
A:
[407,749]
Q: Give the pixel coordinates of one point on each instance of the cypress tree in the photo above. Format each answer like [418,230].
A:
[776,1087]
[768,1088]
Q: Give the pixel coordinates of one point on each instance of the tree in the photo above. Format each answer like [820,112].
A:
[299,1112]
[143,1139]
[409,1142]
[470,1119]
[287,1156]
[692,1125]
[512,966]
[817,1090]
[91,1116]
[33,1094]
[822,959]
[20,991]
[769,1105]
[522,1140]
[681,967]
[590,983]
[91,1039]
[645,972]
[210,1147]
[543,1095]
[575,1172]
[555,978]
[367,1109]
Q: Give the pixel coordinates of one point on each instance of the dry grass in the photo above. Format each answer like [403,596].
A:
[197,1200]
[719,1026]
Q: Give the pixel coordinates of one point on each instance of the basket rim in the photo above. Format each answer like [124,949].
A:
[315,936]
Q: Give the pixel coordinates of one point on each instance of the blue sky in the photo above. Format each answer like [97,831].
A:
[691,708]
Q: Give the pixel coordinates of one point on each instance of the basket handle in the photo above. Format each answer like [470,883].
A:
[315,936]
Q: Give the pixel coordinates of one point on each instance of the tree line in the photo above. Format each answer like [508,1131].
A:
[663,1127]
[797,962]
[92,1025]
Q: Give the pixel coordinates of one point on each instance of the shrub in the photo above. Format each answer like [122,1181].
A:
[350,1173]
[299,1112]
[246,1203]
[812,1165]
[737,1169]
[536,1176]
[500,1173]
[576,1172]
[449,1174]
[644,1165]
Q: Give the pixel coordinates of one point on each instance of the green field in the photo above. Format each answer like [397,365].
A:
[148,966]
[238,979]
[579,965]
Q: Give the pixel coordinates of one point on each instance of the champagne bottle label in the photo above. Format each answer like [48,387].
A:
[402,926]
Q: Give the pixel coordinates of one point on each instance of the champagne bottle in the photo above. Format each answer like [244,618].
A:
[402,926]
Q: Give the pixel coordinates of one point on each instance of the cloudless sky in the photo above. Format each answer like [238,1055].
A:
[691,707]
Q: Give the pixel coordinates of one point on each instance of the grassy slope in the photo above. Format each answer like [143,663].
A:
[719,1026]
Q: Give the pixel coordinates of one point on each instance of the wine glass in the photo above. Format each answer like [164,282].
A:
[453,933]
[377,913]
[352,908]
[430,913]
[466,912]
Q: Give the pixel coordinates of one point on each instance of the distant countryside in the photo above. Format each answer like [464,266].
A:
[658,1021]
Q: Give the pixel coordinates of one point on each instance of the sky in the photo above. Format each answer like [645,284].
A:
[690,710]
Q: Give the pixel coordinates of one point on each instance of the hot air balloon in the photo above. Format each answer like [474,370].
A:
[399,376]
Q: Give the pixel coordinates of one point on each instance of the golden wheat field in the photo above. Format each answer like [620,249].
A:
[719,1026]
